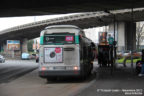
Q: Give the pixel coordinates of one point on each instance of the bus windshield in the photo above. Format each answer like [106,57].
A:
[59,38]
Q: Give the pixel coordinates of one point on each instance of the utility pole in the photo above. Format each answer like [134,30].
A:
[35,41]
[132,39]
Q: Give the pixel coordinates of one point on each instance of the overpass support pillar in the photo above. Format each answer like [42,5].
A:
[1,47]
[125,35]
[5,47]
[130,35]
[24,45]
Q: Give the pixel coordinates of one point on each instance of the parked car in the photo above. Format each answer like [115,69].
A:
[2,59]
[25,56]
[138,52]
[119,52]
[126,53]
[32,56]
[37,58]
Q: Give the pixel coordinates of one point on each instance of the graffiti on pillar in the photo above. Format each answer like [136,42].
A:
[13,44]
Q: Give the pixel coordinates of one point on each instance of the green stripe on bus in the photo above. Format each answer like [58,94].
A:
[55,44]
[41,40]
[77,39]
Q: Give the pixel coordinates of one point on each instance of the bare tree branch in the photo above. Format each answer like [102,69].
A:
[139,35]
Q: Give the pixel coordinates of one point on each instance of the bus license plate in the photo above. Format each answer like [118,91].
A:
[60,68]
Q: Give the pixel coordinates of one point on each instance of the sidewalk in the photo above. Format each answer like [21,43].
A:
[123,82]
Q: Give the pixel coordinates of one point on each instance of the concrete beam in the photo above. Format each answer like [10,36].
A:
[24,45]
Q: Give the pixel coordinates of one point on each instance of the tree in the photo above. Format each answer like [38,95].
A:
[30,45]
[139,34]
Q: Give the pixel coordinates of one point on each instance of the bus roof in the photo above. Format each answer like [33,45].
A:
[62,26]
[59,27]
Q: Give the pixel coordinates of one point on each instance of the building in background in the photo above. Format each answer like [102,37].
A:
[93,33]
[13,45]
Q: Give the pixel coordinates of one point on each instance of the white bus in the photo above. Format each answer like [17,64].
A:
[64,51]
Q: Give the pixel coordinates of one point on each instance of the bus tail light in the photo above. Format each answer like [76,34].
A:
[43,68]
[75,68]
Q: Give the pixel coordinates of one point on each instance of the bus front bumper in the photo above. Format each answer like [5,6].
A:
[59,73]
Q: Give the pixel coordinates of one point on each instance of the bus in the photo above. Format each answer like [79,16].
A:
[65,51]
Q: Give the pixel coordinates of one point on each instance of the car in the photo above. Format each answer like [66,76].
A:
[119,52]
[126,53]
[2,59]
[32,56]
[37,58]
[25,56]
[138,52]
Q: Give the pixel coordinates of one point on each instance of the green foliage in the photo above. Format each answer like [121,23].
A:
[128,61]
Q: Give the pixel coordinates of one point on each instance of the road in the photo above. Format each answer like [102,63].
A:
[22,80]
[13,69]
[15,81]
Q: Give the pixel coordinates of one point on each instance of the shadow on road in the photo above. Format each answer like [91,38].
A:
[14,74]
[72,80]
[118,74]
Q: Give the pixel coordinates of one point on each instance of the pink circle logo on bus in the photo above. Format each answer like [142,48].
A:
[57,50]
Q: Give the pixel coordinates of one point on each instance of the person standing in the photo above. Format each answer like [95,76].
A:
[110,39]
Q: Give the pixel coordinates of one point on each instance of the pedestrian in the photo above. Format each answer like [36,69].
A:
[110,39]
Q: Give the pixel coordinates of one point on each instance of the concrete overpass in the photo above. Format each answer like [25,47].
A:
[83,20]
[9,8]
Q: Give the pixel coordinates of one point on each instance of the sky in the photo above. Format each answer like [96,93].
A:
[92,33]
[9,22]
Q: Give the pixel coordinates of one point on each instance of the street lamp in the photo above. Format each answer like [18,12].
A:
[132,38]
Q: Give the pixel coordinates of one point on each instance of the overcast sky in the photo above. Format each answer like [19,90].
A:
[15,21]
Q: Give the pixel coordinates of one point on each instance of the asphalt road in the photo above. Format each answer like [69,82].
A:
[17,80]
[13,69]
